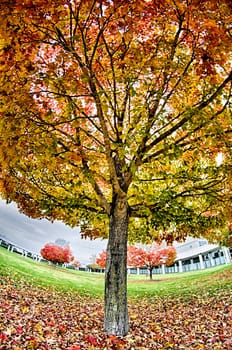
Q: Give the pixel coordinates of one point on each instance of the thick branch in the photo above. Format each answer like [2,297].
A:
[187,116]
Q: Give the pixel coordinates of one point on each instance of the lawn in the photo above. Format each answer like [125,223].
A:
[45,307]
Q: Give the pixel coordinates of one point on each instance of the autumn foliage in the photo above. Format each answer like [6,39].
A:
[76,263]
[112,115]
[101,259]
[40,318]
[148,257]
[56,253]
[151,257]
[91,94]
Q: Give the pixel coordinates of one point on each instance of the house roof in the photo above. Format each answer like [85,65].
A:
[195,251]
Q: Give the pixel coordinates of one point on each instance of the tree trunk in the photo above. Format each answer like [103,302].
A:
[116,311]
[150,272]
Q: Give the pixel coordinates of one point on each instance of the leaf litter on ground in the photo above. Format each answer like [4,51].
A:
[45,318]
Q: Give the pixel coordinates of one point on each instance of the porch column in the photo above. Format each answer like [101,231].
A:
[180,266]
[176,267]
[202,265]
[212,262]
[226,255]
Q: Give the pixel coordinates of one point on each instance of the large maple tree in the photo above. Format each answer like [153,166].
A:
[112,115]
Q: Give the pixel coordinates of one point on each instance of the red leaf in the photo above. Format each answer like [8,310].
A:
[19,329]
[91,340]
[3,337]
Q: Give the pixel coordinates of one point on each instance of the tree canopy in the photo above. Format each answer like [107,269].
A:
[57,254]
[104,96]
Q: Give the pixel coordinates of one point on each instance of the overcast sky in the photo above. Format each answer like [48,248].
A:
[33,234]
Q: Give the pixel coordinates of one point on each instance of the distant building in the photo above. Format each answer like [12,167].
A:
[196,254]
[193,254]
[61,242]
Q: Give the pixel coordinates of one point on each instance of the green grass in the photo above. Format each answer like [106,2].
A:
[184,285]
[42,274]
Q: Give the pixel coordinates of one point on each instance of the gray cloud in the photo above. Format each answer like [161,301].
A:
[33,234]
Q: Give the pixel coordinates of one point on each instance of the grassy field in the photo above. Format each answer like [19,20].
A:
[50,308]
[182,284]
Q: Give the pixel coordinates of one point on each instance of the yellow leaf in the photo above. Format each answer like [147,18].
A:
[25,309]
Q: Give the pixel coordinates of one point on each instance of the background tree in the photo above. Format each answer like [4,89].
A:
[151,257]
[101,260]
[112,115]
[76,263]
[56,253]
[169,254]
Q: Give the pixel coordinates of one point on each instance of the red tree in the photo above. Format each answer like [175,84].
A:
[57,254]
[76,263]
[138,257]
[169,255]
[155,256]
[101,260]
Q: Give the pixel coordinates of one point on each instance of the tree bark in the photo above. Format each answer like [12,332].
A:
[150,272]
[116,310]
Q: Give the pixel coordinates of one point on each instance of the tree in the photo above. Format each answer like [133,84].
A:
[151,257]
[76,263]
[101,260]
[112,115]
[139,257]
[169,254]
[56,253]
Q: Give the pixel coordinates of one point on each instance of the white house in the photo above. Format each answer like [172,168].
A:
[194,254]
